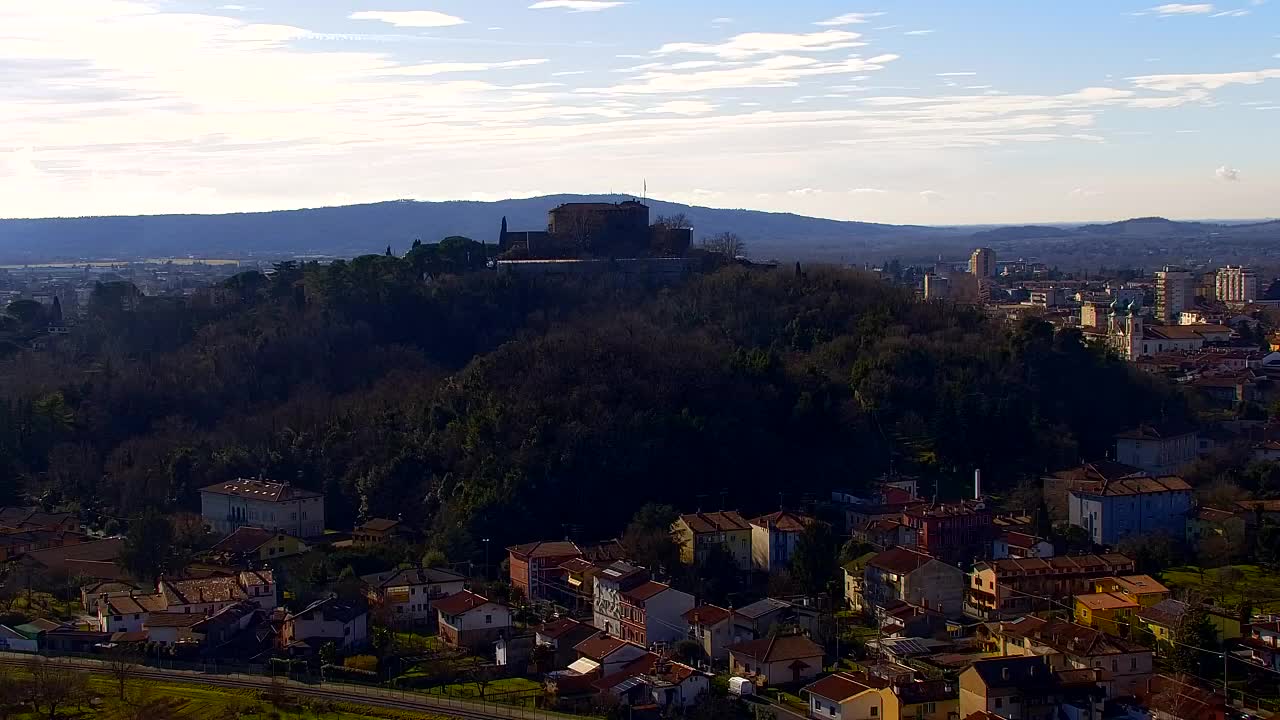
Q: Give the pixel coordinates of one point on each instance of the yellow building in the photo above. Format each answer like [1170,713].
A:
[1163,617]
[698,533]
[1110,612]
[1142,589]
[249,543]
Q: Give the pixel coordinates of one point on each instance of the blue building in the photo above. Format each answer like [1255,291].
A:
[1112,510]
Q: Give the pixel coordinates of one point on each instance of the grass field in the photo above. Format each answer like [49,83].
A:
[1258,585]
[188,701]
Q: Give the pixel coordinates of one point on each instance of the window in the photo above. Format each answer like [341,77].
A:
[488,619]
[137,616]
[931,708]
[999,703]
[346,630]
[875,711]
[1133,663]
[833,711]
[413,591]
[1115,665]
[117,618]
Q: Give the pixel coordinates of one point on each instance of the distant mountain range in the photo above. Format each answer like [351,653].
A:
[361,229]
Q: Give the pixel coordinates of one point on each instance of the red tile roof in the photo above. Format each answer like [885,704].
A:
[534,550]
[784,521]
[640,593]
[600,647]
[900,560]
[711,522]
[841,686]
[260,490]
[459,603]
[244,540]
[707,615]
[778,649]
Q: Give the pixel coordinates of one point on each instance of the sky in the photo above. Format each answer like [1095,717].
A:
[901,111]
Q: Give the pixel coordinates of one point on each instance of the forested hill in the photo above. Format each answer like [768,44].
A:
[359,229]
[478,406]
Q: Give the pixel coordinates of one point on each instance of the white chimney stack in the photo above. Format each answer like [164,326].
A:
[977,484]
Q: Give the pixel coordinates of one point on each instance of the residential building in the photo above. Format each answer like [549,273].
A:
[328,620]
[675,685]
[129,613]
[1169,698]
[126,609]
[904,575]
[885,533]
[654,613]
[257,545]
[471,621]
[404,596]
[1026,688]
[1110,612]
[579,577]
[169,629]
[535,567]
[711,627]
[561,637]
[1157,450]
[1175,292]
[1011,544]
[698,533]
[1058,485]
[952,532]
[1163,618]
[1236,527]
[26,519]
[262,504]
[1142,589]
[378,531]
[851,696]
[777,660]
[1237,285]
[1072,646]
[609,585]
[774,538]
[760,618]
[982,263]
[1263,643]
[1131,506]
[606,655]
[1004,589]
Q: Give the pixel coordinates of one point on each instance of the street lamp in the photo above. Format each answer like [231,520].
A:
[486,557]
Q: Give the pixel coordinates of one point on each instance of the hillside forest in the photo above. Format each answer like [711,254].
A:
[476,406]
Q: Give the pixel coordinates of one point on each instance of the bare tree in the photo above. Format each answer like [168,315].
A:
[122,661]
[11,693]
[54,686]
[679,221]
[728,244]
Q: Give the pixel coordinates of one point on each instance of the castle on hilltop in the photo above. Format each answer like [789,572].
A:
[596,230]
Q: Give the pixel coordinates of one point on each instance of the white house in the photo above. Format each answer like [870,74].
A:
[132,611]
[844,696]
[468,620]
[1157,450]
[328,620]
[128,613]
[654,612]
[406,595]
[1021,545]
[774,538]
[262,504]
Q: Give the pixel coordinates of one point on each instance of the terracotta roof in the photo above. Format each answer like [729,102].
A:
[204,590]
[706,615]
[951,509]
[536,550]
[459,603]
[600,647]
[411,576]
[244,540]
[1214,515]
[778,649]
[1021,540]
[841,686]
[674,672]
[378,525]
[640,593]
[561,627]
[900,560]
[784,521]
[701,523]
[928,691]
[1167,612]
[1138,486]
[170,619]
[1099,471]
[129,605]
[260,490]
[1105,601]
[32,518]
[640,666]
[1139,584]
[577,565]
[1064,564]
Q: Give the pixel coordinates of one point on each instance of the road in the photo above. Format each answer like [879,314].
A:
[335,692]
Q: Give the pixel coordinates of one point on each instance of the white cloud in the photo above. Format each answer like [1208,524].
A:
[233,8]
[1231,13]
[682,107]
[849,19]
[932,197]
[1229,174]
[1204,81]
[751,44]
[777,71]
[867,191]
[576,5]
[919,32]
[1183,9]
[430,69]
[957,74]
[804,192]
[409,18]
[722,21]
[1080,193]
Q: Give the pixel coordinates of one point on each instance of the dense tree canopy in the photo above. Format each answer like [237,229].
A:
[484,406]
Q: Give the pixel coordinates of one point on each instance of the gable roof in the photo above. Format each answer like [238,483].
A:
[843,686]
[760,608]
[1106,601]
[332,608]
[706,615]
[566,628]
[203,590]
[643,592]
[535,550]
[1099,471]
[711,522]
[174,619]
[601,646]
[1137,486]
[411,576]
[1167,612]
[244,540]
[900,560]
[378,525]
[784,521]
[263,490]
[462,602]
[1161,431]
[778,649]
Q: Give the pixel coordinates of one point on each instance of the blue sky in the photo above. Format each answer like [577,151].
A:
[934,111]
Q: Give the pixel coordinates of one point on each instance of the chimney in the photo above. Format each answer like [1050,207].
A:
[977,484]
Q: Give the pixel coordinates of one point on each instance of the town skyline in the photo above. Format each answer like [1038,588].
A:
[928,114]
